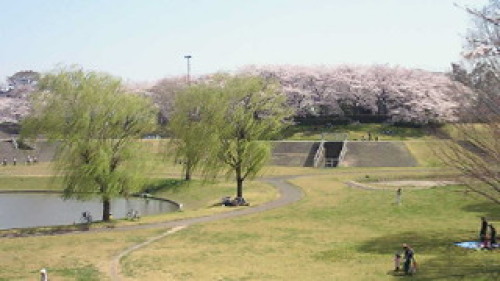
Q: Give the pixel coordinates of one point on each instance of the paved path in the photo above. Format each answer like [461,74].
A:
[288,194]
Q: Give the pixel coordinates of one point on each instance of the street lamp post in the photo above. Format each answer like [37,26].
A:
[188,57]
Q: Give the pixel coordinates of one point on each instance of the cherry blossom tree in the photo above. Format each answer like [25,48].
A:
[399,94]
[164,93]
[379,92]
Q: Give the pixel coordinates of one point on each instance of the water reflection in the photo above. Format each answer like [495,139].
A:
[21,210]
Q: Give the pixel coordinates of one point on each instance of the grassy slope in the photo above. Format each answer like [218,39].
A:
[357,132]
[425,152]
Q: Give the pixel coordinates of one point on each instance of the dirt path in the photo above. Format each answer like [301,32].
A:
[288,194]
[114,270]
[395,184]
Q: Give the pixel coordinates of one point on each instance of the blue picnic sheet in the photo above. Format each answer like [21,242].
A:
[473,245]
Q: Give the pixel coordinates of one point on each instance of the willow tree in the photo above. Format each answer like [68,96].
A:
[252,111]
[97,125]
[193,136]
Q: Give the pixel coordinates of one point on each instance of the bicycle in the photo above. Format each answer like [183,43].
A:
[86,218]
[133,214]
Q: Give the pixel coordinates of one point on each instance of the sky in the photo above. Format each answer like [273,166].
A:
[147,40]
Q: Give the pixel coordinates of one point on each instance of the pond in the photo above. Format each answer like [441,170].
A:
[23,210]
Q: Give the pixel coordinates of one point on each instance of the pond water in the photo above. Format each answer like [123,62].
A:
[22,210]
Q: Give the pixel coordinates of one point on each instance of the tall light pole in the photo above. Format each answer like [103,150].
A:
[188,57]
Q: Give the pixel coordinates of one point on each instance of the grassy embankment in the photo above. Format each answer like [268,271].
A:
[383,132]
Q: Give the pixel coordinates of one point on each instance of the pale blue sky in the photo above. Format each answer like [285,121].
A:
[147,40]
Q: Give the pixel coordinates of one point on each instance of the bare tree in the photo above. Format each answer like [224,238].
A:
[474,147]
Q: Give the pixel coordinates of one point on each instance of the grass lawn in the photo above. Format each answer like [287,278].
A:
[335,233]
[80,257]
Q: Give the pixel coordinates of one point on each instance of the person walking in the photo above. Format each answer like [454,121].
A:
[398,196]
[409,257]
[43,275]
[483,230]
[397,262]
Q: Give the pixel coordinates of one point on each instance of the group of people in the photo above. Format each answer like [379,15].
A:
[237,201]
[370,137]
[409,261]
[29,160]
[488,238]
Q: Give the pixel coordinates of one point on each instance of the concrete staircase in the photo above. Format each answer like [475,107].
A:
[333,152]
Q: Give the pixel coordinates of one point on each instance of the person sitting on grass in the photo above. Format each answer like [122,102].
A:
[226,201]
[485,244]
[493,236]
[239,201]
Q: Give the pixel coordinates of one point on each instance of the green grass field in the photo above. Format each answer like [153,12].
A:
[334,233]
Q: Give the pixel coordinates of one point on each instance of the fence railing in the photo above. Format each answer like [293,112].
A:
[342,152]
[330,162]
[318,157]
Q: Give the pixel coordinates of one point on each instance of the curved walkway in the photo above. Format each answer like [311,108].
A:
[288,194]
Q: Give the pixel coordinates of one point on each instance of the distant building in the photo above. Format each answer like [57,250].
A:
[3,88]
[22,79]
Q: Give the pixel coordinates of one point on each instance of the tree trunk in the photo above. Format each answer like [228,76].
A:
[188,170]
[239,181]
[106,209]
